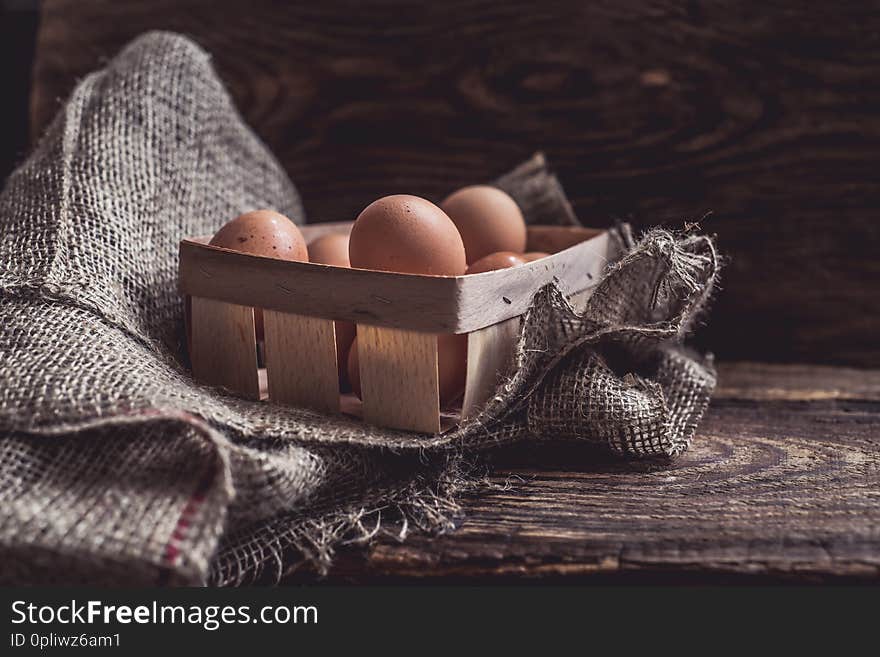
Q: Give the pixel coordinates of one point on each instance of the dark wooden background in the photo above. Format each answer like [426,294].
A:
[18,29]
[765,114]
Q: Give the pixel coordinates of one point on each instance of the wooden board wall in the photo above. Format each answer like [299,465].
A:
[766,114]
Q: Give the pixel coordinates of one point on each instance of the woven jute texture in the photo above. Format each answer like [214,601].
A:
[115,467]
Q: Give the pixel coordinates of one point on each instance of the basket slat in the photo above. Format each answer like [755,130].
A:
[399,378]
[224,346]
[490,356]
[301,361]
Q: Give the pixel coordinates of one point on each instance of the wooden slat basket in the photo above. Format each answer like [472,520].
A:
[398,318]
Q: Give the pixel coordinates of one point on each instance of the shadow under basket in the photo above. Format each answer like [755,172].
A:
[398,318]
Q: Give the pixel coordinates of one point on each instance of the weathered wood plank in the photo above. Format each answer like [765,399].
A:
[765,382]
[780,489]
[766,115]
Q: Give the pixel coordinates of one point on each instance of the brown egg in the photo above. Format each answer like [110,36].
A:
[406,234]
[451,367]
[531,256]
[264,233]
[488,219]
[330,249]
[493,261]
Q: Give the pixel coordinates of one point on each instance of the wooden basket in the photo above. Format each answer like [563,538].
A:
[398,317]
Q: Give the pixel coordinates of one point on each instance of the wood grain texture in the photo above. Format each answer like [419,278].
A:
[399,378]
[301,364]
[224,346]
[775,487]
[495,296]
[489,359]
[437,304]
[765,114]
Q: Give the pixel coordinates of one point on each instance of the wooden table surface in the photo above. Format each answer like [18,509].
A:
[782,482]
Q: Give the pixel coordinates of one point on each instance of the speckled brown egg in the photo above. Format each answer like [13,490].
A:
[264,233]
[406,234]
[332,249]
[488,220]
[493,261]
[451,367]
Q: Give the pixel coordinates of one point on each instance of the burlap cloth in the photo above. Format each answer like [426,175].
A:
[115,467]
